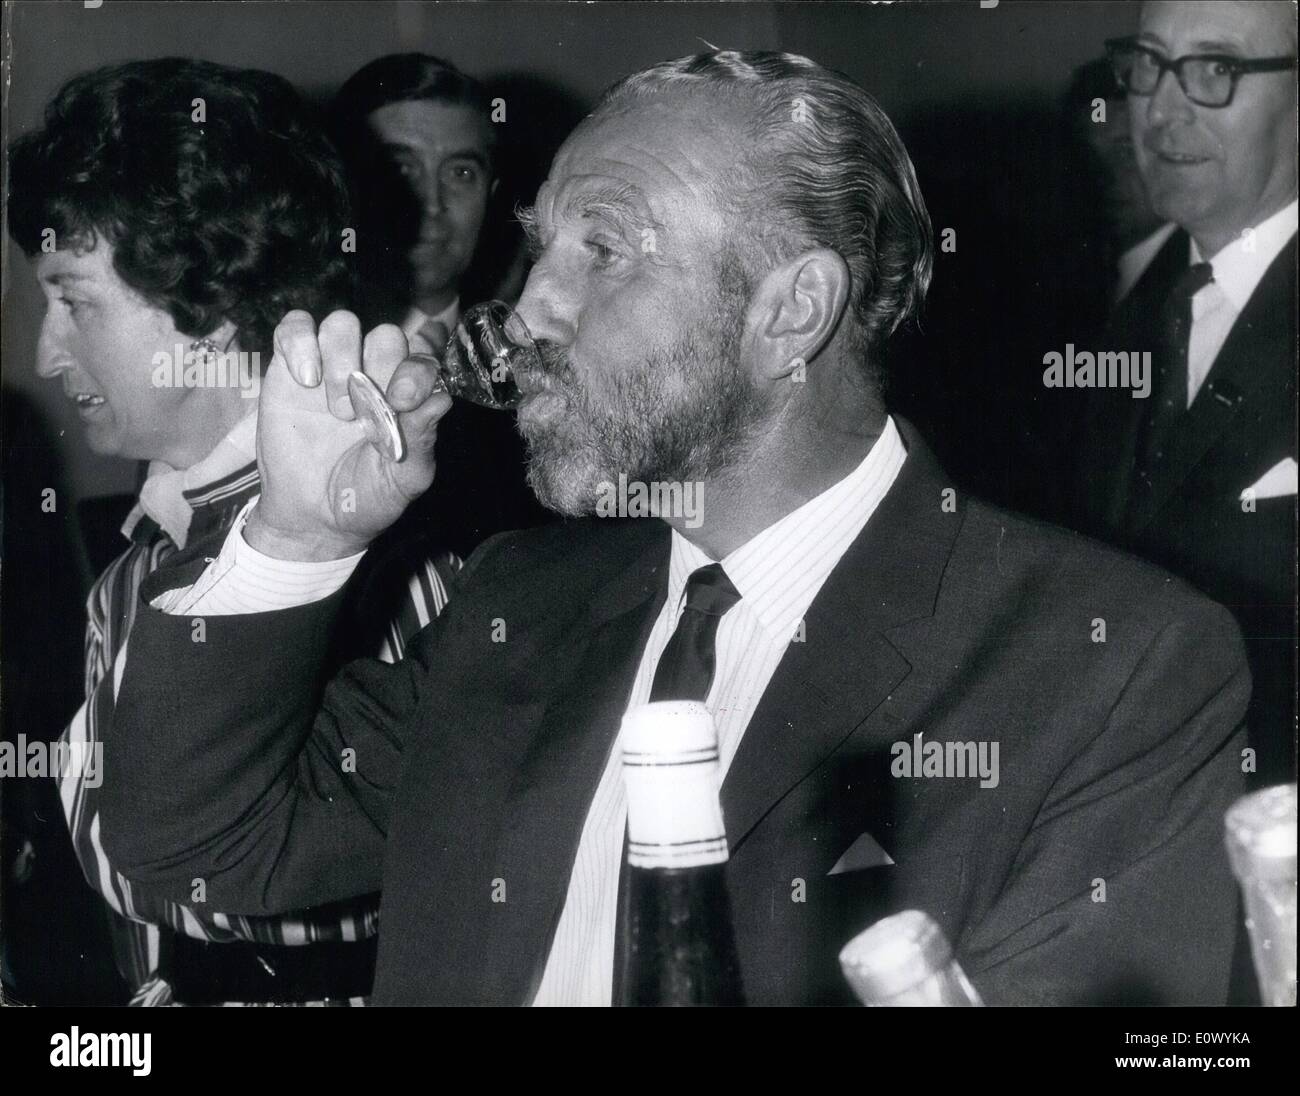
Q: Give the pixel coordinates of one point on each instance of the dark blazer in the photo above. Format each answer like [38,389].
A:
[1241,424]
[1093,872]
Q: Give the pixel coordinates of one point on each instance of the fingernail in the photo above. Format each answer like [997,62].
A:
[403,390]
[313,374]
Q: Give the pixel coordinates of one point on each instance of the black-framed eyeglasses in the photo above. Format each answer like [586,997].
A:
[1207,79]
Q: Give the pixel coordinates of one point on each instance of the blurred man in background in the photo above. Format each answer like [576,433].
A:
[1201,477]
[422,148]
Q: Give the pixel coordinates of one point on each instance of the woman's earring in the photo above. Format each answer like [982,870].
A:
[208,349]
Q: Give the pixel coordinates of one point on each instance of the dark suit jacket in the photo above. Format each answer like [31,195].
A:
[476,760]
[1242,423]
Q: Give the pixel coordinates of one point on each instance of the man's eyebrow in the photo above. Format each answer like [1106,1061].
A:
[530,221]
[1216,45]
[621,204]
[66,276]
[1204,45]
[413,147]
[468,154]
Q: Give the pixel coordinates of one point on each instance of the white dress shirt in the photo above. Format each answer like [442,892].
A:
[416,319]
[243,580]
[778,573]
[1238,269]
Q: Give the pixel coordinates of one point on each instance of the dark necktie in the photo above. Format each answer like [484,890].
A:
[1175,321]
[1169,393]
[685,669]
[684,672]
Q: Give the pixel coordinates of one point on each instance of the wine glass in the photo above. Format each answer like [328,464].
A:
[490,345]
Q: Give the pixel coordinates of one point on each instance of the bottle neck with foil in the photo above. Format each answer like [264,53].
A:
[905,960]
[680,943]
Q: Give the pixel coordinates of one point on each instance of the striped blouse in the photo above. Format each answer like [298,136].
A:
[111,607]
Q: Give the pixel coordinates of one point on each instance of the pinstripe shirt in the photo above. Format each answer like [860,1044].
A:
[175,508]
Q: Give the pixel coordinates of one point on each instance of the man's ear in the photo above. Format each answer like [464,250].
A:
[492,190]
[801,303]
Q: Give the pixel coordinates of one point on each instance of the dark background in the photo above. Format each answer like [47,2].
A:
[976,93]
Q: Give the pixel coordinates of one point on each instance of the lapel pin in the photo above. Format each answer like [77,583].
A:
[1226,393]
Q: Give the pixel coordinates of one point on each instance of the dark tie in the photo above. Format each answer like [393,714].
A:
[1169,393]
[685,669]
[685,672]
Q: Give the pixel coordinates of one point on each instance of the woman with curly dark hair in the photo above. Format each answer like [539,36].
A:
[175,210]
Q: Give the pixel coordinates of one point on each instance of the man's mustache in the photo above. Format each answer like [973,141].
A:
[556,366]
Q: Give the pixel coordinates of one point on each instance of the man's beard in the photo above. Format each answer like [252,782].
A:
[682,415]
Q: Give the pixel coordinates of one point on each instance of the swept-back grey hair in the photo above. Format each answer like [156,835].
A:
[824,167]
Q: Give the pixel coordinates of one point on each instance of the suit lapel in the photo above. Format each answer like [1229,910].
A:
[850,661]
[1116,418]
[561,765]
[1248,369]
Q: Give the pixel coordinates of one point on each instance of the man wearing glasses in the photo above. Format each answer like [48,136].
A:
[1201,477]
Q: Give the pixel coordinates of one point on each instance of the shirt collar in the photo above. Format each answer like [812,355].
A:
[1239,266]
[170,496]
[779,571]
[416,319]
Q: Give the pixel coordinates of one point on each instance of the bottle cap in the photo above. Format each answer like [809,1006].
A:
[894,955]
[1261,834]
[670,770]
